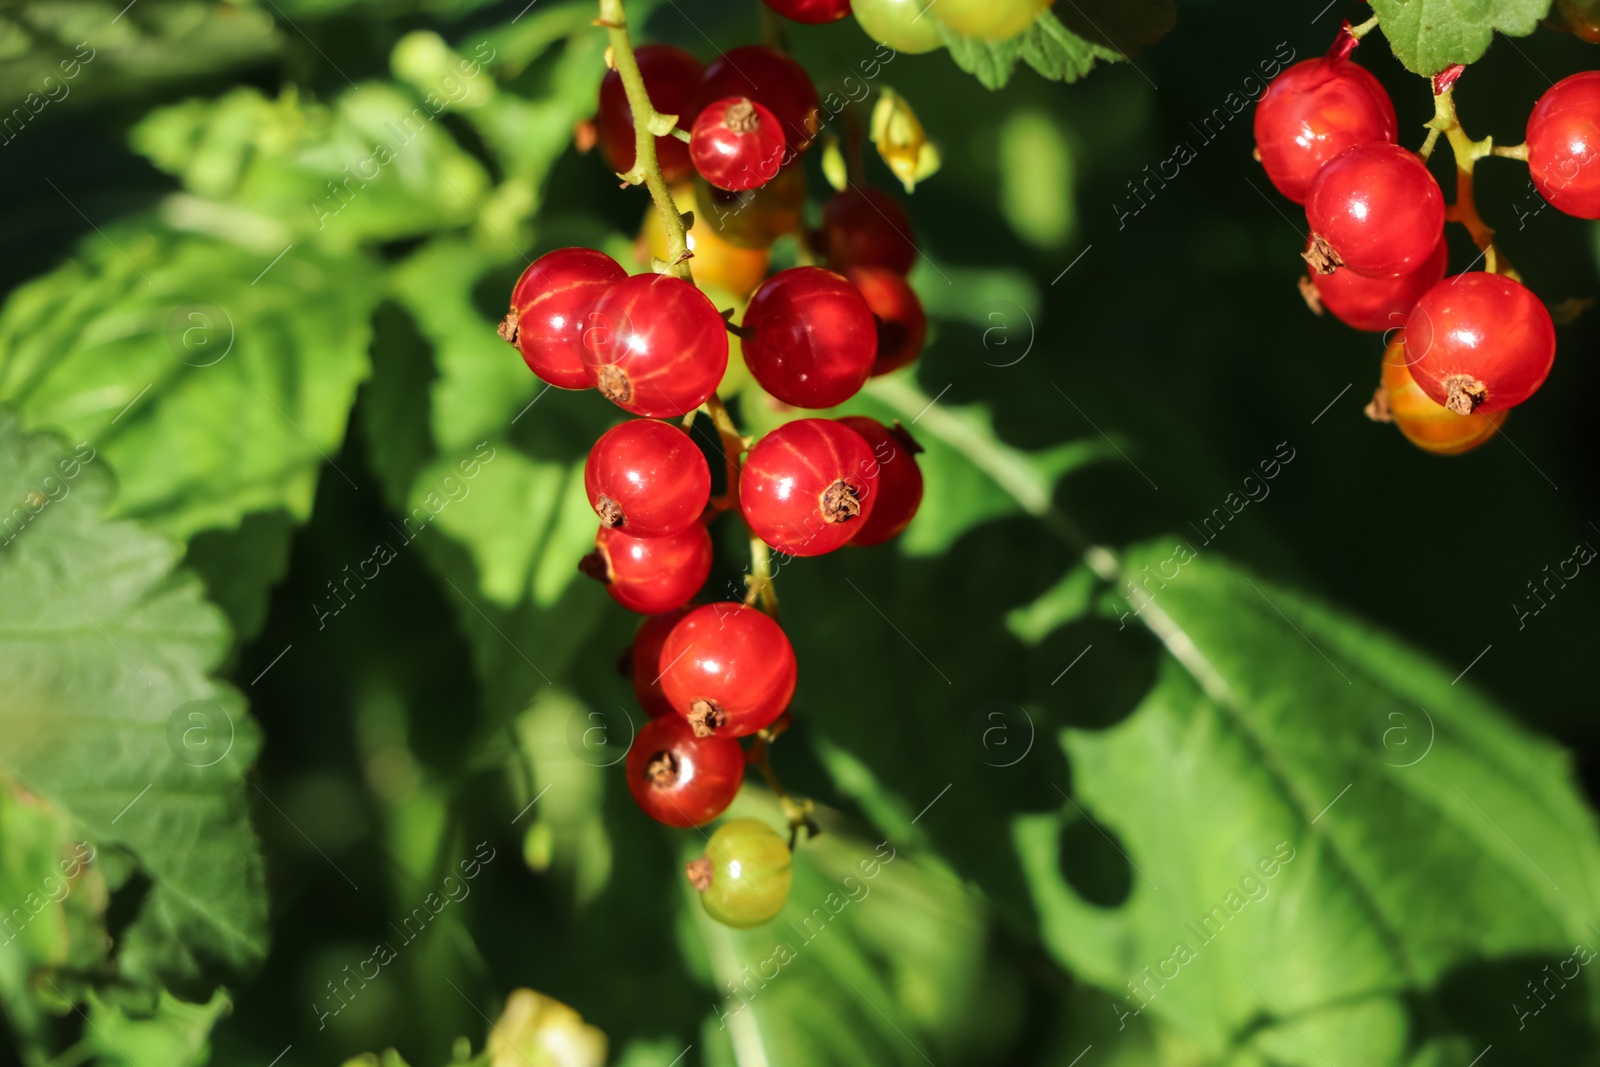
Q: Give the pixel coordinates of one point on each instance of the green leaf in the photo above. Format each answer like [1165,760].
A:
[217,382]
[111,715]
[1047,46]
[1344,777]
[177,1035]
[1430,35]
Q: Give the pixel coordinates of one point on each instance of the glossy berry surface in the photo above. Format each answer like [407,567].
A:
[736,144]
[744,877]
[1430,426]
[651,575]
[728,670]
[867,228]
[1312,112]
[672,77]
[550,307]
[809,486]
[809,337]
[905,25]
[1378,304]
[773,80]
[899,480]
[647,479]
[680,779]
[656,346]
[902,324]
[645,663]
[1564,145]
[1375,209]
[754,218]
[989,20]
[1479,342]
[812,11]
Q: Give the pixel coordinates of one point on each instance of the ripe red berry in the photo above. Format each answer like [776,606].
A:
[1479,342]
[902,325]
[656,346]
[899,481]
[772,79]
[809,486]
[813,11]
[671,76]
[650,575]
[680,779]
[809,337]
[1430,426]
[728,670]
[1377,304]
[1564,145]
[647,479]
[867,228]
[550,307]
[1312,112]
[1375,209]
[645,663]
[736,144]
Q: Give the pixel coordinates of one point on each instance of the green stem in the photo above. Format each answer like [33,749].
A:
[648,124]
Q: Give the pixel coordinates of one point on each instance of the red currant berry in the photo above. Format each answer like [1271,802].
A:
[772,79]
[809,337]
[1430,426]
[809,486]
[1375,209]
[902,325]
[899,481]
[656,346]
[753,218]
[866,228]
[644,660]
[728,669]
[1376,304]
[736,144]
[812,11]
[671,76]
[1479,342]
[1312,112]
[1564,145]
[550,308]
[650,575]
[647,479]
[680,779]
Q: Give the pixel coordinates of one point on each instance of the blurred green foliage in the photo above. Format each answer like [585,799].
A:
[1128,784]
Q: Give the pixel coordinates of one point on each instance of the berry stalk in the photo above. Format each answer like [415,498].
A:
[648,124]
[1467,152]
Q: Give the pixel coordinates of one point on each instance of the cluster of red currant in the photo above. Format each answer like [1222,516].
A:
[656,345]
[1464,350]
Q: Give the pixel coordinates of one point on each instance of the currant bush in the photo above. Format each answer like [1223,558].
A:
[744,877]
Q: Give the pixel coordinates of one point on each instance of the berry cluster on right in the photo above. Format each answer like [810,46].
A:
[1461,350]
